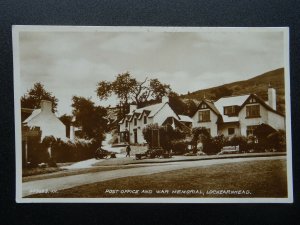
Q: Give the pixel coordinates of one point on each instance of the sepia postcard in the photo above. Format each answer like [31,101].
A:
[152,114]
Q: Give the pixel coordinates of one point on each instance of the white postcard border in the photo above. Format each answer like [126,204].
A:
[36,28]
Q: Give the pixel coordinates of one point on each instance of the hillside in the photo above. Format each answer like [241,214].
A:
[258,85]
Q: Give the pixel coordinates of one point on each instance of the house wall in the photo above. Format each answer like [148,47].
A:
[165,112]
[140,126]
[276,121]
[212,125]
[224,129]
[49,125]
[244,122]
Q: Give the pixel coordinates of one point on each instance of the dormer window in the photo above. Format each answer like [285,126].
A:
[126,123]
[145,119]
[231,110]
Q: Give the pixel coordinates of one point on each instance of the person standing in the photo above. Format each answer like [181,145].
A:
[128,149]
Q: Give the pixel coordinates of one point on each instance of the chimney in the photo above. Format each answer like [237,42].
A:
[272,97]
[132,108]
[46,106]
[164,99]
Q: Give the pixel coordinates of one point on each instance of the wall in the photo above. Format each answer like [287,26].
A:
[224,129]
[212,125]
[244,122]
[49,125]
[276,121]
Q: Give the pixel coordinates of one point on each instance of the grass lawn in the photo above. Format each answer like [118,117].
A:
[241,180]
[64,172]
[26,172]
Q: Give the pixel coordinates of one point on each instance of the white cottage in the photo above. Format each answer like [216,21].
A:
[238,115]
[131,127]
[46,121]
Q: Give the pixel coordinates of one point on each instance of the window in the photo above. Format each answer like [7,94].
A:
[135,121]
[250,130]
[126,123]
[203,106]
[230,131]
[145,119]
[204,116]
[230,110]
[252,111]
[252,100]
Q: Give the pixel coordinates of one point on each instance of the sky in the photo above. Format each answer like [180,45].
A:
[71,63]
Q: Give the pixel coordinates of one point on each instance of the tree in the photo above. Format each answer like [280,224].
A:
[129,90]
[176,103]
[32,99]
[67,120]
[191,107]
[90,118]
[222,92]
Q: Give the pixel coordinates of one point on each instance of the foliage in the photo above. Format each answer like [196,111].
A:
[261,133]
[90,118]
[129,90]
[223,91]
[200,134]
[277,140]
[66,119]
[32,99]
[240,141]
[48,140]
[213,145]
[157,89]
[166,135]
[72,152]
[257,85]
[176,103]
[179,147]
[190,108]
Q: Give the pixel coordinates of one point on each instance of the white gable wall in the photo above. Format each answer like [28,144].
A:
[244,122]
[212,125]
[49,125]
[276,121]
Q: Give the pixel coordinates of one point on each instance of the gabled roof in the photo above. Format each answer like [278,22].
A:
[261,101]
[184,118]
[210,105]
[229,101]
[150,111]
[153,109]
[33,114]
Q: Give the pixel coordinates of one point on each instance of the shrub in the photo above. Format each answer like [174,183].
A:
[166,135]
[277,140]
[71,152]
[214,145]
[240,141]
[179,147]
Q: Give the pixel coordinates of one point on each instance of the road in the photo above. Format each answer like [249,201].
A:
[55,184]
